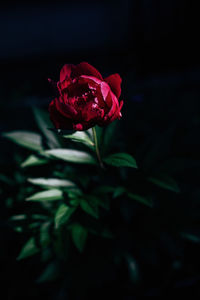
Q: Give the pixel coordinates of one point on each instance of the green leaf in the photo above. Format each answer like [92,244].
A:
[33,160]
[43,122]
[140,199]
[81,137]
[50,273]
[27,139]
[71,155]
[6,180]
[18,218]
[165,182]
[104,189]
[103,232]
[51,182]
[63,214]
[99,133]
[119,191]
[44,234]
[191,237]
[90,206]
[49,195]
[120,160]
[79,236]
[109,135]
[99,199]
[28,249]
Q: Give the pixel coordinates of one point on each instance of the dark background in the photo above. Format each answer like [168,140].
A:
[154,46]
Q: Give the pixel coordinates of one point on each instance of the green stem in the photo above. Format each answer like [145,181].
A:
[97,147]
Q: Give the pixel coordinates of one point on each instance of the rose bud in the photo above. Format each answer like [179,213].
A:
[85,99]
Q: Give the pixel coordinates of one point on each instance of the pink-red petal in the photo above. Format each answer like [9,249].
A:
[66,71]
[59,121]
[114,82]
[86,69]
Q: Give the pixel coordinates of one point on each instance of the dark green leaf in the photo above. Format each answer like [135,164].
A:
[71,155]
[119,191]
[33,160]
[104,189]
[5,179]
[140,199]
[43,122]
[63,214]
[44,234]
[191,237]
[79,236]
[89,205]
[28,249]
[50,273]
[81,137]
[120,160]
[49,195]
[109,135]
[165,182]
[27,139]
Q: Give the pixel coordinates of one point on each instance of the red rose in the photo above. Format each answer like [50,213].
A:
[85,98]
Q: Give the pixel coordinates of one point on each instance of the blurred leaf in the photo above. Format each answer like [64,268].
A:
[89,205]
[18,229]
[105,233]
[18,218]
[28,249]
[71,155]
[33,160]
[43,122]
[109,135]
[191,237]
[49,195]
[5,179]
[79,236]
[74,193]
[99,200]
[120,160]
[133,268]
[38,217]
[27,139]
[50,273]
[104,189]
[119,191]
[44,234]
[63,214]
[140,199]
[165,182]
[51,182]
[81,137]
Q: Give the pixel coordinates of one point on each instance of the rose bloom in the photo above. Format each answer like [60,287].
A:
[85,99]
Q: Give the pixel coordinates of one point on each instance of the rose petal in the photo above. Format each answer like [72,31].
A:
[91,79]
[65,109]
[86,69]
[105,89]
[113,103]
[66,71]
[59,121]
[114,82]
